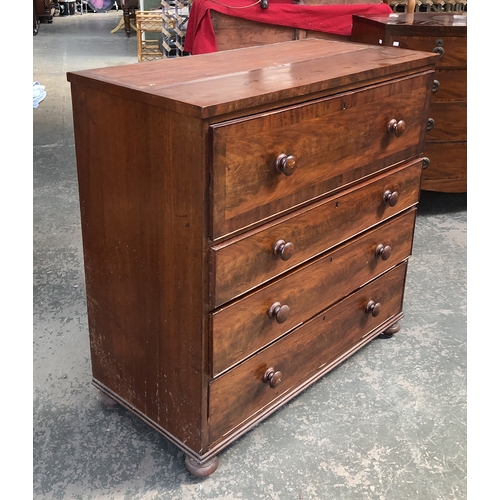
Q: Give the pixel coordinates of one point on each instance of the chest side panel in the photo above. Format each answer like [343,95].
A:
[143,209]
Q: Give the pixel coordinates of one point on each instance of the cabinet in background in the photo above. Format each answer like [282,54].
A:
[446,35]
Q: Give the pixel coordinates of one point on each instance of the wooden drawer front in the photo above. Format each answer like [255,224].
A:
[240,393]
[454,48]
[245,326]
[449,121]
[328,137]
[247,261]
[447,170]
[452,85]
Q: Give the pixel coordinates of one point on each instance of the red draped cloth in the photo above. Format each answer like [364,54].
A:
[335,19]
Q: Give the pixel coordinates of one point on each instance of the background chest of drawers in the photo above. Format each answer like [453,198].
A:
[252,233]
[444,34]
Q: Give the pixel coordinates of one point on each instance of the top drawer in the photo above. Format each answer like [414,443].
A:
[330,143]
[452,50]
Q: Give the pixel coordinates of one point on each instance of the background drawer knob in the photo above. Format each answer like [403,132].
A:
[391,198]
[430,123]
[286,164]
[396,127]
[436,85]
[384,252]
[283,249]
[373,308]
[278,312]
[272,377]
[438,50]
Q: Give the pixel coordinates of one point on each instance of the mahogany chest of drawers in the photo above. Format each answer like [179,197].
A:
[252,232]
[444,34]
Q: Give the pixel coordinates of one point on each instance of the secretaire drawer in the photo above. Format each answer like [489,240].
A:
[267,164]
[252,322]
[247,261]
[240,393]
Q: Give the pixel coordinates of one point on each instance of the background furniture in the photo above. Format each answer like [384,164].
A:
[45,10]
[147,22]
[176,16]
[215,26]
[446,35]
[161,29]
[252,233]
[82,6]
[68,7]
[402,5]
[36,20]
[411,6]
[128,8]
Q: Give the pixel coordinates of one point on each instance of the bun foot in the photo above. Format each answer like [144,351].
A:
[107,402]
[387,334]
[200,469]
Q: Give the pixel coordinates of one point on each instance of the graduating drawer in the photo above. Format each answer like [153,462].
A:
[451,85]
[270,163]
[247,261]
[447,170]
[242,392]
[245,326]
[447,121]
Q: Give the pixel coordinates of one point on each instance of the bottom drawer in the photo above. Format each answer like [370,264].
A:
[241,392]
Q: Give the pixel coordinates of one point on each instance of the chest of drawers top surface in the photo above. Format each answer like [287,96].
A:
[219,83]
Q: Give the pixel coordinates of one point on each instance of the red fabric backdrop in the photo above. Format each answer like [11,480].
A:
[335,19]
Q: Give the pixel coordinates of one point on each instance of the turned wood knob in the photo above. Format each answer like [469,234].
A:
[373,308]
[278,312]
[283,249]
[286,164]
[396,127]
[384,252]
[272,377]
[391,198]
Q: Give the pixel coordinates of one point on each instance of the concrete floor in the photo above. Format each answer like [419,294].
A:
[388,424]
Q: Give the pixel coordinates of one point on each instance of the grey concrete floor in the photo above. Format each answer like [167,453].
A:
[388,424]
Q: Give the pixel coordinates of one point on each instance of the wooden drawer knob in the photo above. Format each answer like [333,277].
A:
[383,252]
[373,308]
[286,164]
[272,377]
[396,127]
[391,198]
[279,312]
[283,249]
